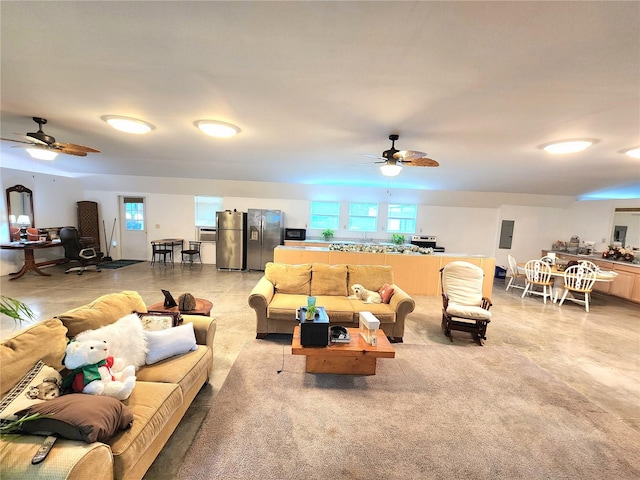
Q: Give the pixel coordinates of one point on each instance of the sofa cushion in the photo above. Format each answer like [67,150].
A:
[339,309]
[283,306]
[103,311]
[185,370]
[20,352]
[295,279]
[328,279]
[382,311]
[371,277]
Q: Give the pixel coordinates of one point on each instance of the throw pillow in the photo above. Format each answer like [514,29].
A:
[167,343]
[41,384]
[125,337]
[77,416]
[159,320]
[386,292]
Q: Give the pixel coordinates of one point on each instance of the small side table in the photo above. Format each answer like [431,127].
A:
[203,307]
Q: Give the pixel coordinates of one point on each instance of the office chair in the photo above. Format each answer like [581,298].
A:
[87,257]
[193,251]
[463,306]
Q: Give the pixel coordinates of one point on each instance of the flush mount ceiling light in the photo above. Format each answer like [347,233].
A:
[391,168]
[632,152]
[42,153]
[568,146]
[216,128]
[128,125]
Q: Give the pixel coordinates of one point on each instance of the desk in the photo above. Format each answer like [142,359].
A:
[29,257]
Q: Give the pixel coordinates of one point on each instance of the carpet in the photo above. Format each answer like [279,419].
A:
[112,265]
[433,412]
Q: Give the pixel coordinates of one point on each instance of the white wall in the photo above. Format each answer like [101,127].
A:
[464,222]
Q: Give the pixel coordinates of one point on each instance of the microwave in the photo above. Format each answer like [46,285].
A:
[295,234]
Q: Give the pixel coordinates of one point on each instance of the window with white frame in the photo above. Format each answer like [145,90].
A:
[134,213]
[363,217]
[206,208]
[401,218]
[325,215]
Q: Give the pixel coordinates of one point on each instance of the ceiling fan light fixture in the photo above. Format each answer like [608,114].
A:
[128,125]
[216,128]
[41,153]
[390,169]
[567,146]
[632,152]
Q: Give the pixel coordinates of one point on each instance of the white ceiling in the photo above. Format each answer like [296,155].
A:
[315,85]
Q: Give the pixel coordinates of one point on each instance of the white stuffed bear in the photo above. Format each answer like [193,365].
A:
[94,372]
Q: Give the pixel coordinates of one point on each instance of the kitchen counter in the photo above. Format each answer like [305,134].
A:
[416,273]
[598,256]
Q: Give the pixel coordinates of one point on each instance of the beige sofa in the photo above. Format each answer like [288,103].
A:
[162,394]
[284,288]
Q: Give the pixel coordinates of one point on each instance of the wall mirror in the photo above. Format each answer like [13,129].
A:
[626,226]
[20,206]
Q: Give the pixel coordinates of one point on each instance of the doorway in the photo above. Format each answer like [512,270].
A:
[133,231]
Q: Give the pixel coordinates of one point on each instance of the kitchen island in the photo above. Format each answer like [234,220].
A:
[415,273]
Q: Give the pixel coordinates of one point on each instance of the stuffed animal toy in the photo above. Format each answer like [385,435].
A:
[94,372]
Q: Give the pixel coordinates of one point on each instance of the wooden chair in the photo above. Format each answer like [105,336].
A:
[192,252]
[161,250]
[578,279]
[463,306]
[515,275]
[538,274]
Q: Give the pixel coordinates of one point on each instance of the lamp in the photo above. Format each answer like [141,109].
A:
[42,153]
[12,219]
[390,168]
[632,152]
[23,221]
[568,146]
[216,128]
[128,125]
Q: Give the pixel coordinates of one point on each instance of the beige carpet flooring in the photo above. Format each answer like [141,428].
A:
[435,412]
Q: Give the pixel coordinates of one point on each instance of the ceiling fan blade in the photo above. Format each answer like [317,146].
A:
[421,162]
[372,156]
[17,141]
[74,147]
[409,155]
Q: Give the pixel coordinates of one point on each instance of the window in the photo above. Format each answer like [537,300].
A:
[325,215]
[402,218]
[363,217]
[206,208]
[134,213]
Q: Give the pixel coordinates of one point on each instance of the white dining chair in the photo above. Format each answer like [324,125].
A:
[515,274]
[538,274]
[578,279]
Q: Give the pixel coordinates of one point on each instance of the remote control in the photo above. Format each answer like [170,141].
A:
[43,451]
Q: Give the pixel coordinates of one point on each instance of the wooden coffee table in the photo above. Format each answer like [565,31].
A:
[354,358]
[203,307]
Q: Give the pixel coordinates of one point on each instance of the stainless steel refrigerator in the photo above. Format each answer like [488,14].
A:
[265,231]
[231,248]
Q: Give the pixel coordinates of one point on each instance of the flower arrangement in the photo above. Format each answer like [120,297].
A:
[618,253]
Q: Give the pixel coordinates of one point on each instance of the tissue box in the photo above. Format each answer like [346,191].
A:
[369,326]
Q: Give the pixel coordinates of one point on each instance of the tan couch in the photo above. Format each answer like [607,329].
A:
[162,394]
[284,288]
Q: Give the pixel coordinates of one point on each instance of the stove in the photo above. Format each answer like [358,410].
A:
[426,241]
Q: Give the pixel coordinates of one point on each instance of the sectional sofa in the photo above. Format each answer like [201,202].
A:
[162,394]
[284,288]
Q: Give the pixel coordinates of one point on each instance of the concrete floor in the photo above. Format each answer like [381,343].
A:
[596,353]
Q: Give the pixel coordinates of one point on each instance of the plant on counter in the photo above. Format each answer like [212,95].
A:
[618,253]
[15,309]
[327,234]
[397,238]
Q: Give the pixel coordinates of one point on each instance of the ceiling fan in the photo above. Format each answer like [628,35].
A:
[46,145]
[393,160]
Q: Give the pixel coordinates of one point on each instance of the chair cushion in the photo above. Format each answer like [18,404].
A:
[467,311]
[462,282]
